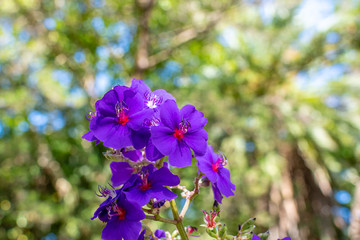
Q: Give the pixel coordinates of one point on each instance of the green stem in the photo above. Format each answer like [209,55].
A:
[160,219]
[179,223]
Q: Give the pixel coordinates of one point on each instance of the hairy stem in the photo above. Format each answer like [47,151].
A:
[179,223]
[161,219]
[192,195]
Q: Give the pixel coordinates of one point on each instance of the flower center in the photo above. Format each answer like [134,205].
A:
[220,162]
[120,212]
[178,134]
[152,100]
[145,185]
[184,126]
[121,109]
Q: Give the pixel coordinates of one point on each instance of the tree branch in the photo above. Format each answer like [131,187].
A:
[188,35]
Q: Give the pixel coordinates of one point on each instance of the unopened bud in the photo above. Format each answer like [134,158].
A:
[265,235]
[204,182]
[216,206]
[158,204]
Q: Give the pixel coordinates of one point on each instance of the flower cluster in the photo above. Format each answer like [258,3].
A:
[143,129]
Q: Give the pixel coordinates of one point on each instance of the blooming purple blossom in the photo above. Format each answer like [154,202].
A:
[212,165]
[149,183]
[103,210]
[119,114]
[151,99]
[159,234]
[122,218]
[180,131]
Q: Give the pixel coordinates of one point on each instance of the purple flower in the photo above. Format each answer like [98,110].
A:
[133,155]
[121,172]
[149,183]
[103,211]
[212,165]
[159,233]
[90,137]
[119,114]
[286,238]
[255,237]
[180,131]
[142,235]
[151,99]
[124,222]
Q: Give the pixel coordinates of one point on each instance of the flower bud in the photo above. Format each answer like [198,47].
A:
[204,182]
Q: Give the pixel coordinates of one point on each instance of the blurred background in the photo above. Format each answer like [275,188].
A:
[278,81]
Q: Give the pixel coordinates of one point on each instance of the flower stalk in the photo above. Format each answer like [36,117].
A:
[179,223]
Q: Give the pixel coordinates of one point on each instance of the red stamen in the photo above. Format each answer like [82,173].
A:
[179,134]
[120,212]
[145,183]
[215,167]
[123,120]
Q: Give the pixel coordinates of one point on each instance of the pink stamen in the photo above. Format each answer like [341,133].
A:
[220,162]
[145,185]
[184,126]
[121,110]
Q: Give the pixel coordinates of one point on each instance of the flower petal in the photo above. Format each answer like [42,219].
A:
[169,114]
[90,137]
[134,102]
[195,117]
[205,166]
[101,126]
[137,119]
[181,156]
[139,86]
[160,192]
[196,141]
[152,153]
[140,138]
[164,95]
[163,139]
[112,230]
[224,183]
[133,210]
[118,138]
[217,194]
[121,172]
[130,230]
[163,176]
[139,196]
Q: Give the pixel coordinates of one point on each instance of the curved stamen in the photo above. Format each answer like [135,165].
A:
[220,162]
[152,122]
[105,192]
[152,100]
[184,126]
[121,108]
[90,115]
[145,184]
